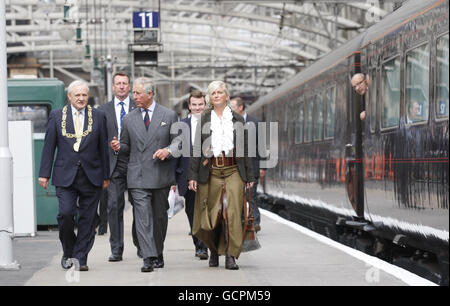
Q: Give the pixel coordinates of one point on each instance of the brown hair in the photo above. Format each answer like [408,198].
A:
[195,94]
[121,73]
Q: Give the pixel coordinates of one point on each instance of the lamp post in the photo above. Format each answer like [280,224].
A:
[7,261]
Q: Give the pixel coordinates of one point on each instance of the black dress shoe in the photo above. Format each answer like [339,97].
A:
[230,263]
[84,268]
[158,262]
[202,254]
[66,263]
[114,258]
[148,265]
[214,259]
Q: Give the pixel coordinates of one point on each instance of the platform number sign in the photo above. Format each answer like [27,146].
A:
[145,20]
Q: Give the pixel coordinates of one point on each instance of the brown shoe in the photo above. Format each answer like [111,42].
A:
[230,263]
[214,259]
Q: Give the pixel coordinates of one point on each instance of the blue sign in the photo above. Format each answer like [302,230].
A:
[145,20]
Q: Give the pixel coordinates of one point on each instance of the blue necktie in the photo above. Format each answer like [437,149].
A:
[146,119]
[122,113]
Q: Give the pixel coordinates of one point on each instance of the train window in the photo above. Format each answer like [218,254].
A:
[309,119]
[38,114]
[330,106]
[318,118]
[442,77]
[417,84]
[299,123]
[390,112]
[373,100]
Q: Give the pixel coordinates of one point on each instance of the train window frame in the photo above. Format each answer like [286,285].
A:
[373,99]
[316,116]
[308,101]
[44,104]
[405,81]
[435,108]
[333,89]
[300,104]
[384,62]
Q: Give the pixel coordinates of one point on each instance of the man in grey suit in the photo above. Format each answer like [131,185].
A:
[147,143]
[115,111]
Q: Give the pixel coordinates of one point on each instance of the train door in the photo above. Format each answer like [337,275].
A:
[354,179]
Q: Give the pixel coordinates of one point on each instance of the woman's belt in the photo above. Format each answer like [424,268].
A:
[223,161]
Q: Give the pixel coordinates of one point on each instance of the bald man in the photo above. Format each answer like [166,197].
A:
[360,82]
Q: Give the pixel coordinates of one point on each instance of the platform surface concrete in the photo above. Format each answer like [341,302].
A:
[287,258]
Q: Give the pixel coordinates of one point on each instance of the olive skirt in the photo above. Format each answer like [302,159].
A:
[218,209]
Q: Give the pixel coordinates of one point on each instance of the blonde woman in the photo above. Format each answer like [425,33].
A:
[219,177]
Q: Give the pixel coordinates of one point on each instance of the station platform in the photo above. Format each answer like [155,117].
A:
[290,256]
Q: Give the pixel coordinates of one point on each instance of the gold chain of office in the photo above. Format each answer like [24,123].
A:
[63,123]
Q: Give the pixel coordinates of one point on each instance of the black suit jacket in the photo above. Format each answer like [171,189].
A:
[255,160]
[92,154]
[113,130]
[182,164]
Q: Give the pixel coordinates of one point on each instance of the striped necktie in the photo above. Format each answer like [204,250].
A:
[146,119]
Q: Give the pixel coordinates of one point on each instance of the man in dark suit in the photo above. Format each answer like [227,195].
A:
[115,111]
[147,143]
[238,106]
[80,171]
[196,105]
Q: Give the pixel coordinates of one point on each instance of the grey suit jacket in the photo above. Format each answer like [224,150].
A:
[139,145]
[113,129]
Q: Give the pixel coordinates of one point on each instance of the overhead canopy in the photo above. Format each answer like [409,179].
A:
[252,45]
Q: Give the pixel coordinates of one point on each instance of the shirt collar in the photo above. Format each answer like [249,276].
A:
[151,108]
[126,101]
[74,110]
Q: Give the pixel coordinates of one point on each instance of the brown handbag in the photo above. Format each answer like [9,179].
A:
[250,242]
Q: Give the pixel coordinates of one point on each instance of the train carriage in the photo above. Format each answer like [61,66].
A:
[380,185]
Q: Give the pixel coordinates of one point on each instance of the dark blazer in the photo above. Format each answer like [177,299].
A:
[111,123]
[200,166]
[182,164]
[92,154]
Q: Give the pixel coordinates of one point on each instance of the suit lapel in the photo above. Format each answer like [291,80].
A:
[111,109]
[70,127]
[85,126]
[139,128]
[155,123]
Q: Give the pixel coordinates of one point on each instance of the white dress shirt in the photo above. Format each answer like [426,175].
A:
[118,109]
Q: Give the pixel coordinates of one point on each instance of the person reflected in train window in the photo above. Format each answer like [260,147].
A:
[413,113]
[219,178]
[360,82]
[238,106]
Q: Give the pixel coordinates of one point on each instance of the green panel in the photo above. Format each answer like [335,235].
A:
[49,92]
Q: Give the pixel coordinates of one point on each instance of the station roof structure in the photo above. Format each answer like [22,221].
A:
[252,45]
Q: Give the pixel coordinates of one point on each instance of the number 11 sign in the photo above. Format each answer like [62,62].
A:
[145,20]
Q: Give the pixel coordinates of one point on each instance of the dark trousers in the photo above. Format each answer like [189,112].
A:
[103,212]
[254,201]
[116,205]
[87,196]
[189,196]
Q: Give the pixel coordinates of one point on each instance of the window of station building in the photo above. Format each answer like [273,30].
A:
[38,114]
[318,118]
[330,111]
[442,77]
[390,112]
[417,84]
[299,122]
[373,100]
[309,120]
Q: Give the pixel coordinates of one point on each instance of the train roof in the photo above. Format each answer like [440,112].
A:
[396,19]
[408,11]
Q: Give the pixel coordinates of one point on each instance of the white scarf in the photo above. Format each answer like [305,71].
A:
[222,132]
